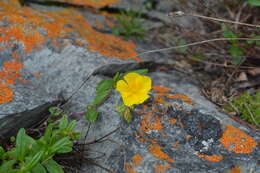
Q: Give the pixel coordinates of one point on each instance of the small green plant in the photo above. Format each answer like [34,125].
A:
[36,155]
[248,106]
[132,92]
[234,50]
[235,47]
[129,24]
[254,2]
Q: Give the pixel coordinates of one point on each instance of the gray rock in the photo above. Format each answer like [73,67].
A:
[170,132]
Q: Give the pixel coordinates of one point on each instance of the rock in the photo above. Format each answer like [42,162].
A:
[172,132]
[176,130]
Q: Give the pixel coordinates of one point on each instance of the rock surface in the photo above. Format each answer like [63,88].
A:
[176,130]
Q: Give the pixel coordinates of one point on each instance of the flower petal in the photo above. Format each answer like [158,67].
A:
[122,86]
[146,84]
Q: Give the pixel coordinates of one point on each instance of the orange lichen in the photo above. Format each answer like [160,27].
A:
[235,169]
[136,160]
[233,139]
[8,76]
[188,137]
[183,97]
[6,94]
[156,151]
[25,25]
[213,158]
[161,88]
[161,168]
[13,66]
[150,122]
[129,168]
[10,72]
[172,121]
[176,144]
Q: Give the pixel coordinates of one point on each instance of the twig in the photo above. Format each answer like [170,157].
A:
[180,13]
[100,139]
[194,44]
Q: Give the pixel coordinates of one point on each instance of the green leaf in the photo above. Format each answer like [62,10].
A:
[21,144]
[140,71]
[72,125]
[254,2]
[91,115]
[104,85]
[6,166]
[63,122]
[236,52]
[63,145]
[55,111]
[100,97]
[198,57]
[2,151]
[127,115]
[182,42]
[39,169]
[124,112]
[34,161]
[236,60]
[53,167]
[120,109]
[230,34]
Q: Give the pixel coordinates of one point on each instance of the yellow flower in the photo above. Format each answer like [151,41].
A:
[134,88]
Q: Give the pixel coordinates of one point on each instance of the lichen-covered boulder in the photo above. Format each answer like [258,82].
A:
[54,56]
[46,54]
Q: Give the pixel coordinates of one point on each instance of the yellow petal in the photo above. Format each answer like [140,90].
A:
[146,84]
[122,86]
[131,77]
[136,98]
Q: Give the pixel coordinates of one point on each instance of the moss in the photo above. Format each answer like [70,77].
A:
[248,106]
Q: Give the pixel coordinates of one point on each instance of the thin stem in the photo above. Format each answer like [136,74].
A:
[180,13]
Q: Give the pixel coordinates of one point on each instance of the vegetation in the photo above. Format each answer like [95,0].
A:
[129,24]
[246,105]
[36,155]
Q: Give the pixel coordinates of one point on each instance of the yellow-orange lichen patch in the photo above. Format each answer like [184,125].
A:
[161,88]
[233,139]
[136,160]
[150,122]
[6,94]
[161,168]
[213,158]
[156,151]
[10,72]
[12,66]
[25,25]
[172,121]
[183,97]
[235,169]
[111,46]
[91,3]
[129,168]
[176,144]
